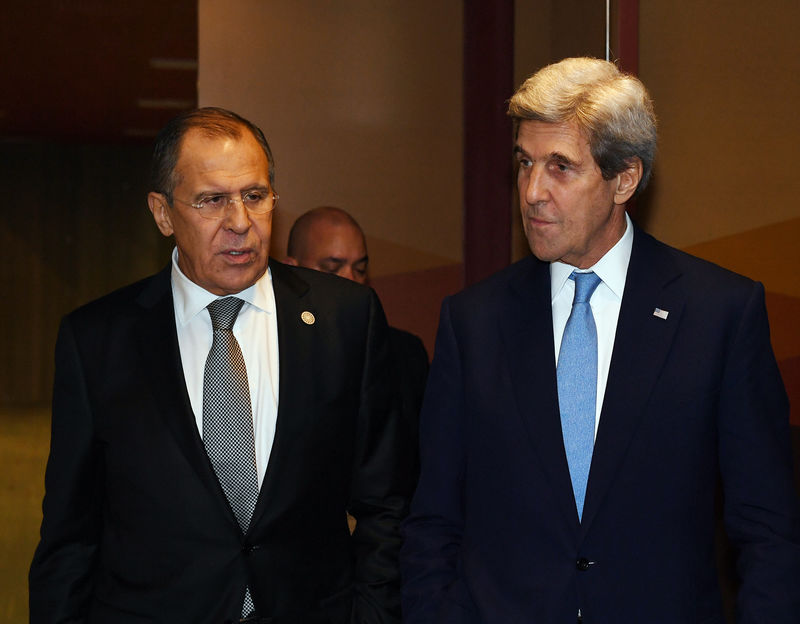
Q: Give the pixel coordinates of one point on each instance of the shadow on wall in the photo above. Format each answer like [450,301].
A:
[412,300]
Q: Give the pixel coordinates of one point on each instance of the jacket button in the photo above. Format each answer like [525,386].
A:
[583,564]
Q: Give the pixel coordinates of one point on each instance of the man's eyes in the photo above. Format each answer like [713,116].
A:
[330,267]
[560,166]
[254,196]
[557,165]
[214,200]
[248,197]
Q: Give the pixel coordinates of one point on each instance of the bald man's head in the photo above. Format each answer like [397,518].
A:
[328,239]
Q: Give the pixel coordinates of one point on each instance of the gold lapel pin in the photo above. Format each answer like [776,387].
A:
[308,318]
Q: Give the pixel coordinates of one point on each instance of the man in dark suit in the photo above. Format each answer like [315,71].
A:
[200,472]
[584,403]
[329,239]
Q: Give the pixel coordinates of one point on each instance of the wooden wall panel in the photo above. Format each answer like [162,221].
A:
[76,227]
[488,83]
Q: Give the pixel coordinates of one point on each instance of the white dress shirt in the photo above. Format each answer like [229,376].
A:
[256,330]
[606,300]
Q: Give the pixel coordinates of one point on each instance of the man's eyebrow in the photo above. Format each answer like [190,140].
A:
[562,158]
[209,191]
[332,260]
[219,190]
[556,156]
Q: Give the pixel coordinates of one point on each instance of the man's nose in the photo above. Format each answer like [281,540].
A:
[236,218]
[536,187]
[347,273]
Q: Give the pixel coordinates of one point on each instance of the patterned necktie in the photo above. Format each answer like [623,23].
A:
[577,384]
[227,418]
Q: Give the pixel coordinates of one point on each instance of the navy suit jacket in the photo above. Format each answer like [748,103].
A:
[136,526]
[494,535]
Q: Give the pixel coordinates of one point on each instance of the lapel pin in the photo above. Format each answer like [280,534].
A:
[308,318]
[662,314]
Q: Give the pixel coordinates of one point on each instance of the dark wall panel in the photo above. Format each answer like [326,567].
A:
[75,225]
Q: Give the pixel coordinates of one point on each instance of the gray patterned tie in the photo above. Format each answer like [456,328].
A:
[228,420]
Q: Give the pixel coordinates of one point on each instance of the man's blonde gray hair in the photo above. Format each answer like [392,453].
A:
[612,108]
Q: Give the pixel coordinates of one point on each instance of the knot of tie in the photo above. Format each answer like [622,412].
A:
[585,284]
[223,312]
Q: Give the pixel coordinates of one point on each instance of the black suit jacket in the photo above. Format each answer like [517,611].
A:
[410,364]
[494,535]
[136,527]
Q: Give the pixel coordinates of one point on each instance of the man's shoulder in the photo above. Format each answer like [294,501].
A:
[517,275]
[125,299]
[401,336]
[323,289]
[406,344]
[300,276]
[651,254]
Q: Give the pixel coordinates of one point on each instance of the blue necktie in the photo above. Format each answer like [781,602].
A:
[577,384]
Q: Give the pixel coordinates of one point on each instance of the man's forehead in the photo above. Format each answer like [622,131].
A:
[330,223]
[200,148]
[328,235]
[336,227]
[199,137]
[544,138]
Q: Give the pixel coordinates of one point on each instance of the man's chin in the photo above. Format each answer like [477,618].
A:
[236,279]
[542,252]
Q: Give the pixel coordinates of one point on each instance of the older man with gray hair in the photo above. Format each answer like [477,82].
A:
[584,404]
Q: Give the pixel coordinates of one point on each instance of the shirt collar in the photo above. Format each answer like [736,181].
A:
[612,268]
[191,299]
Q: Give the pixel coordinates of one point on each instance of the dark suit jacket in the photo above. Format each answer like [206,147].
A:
[410,364]
[136,527]
[493,534]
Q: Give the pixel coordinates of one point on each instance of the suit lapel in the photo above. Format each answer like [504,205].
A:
[527,329]
[641,347]
[295,349]
[160,353]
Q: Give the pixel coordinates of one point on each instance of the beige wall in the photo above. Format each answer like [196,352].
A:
[361,102]
[724,76]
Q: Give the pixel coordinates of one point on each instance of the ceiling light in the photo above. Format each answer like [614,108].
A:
[174,63]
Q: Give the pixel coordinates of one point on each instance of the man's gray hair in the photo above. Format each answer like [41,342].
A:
[613,109]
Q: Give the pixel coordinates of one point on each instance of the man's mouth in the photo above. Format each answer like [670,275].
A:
[238,255]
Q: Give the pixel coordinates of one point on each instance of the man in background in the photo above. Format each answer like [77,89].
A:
[329,239]
[213,423]
[584,403]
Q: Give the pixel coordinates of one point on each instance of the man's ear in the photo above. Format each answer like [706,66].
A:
[292,261]
[160,211]
[628,180]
